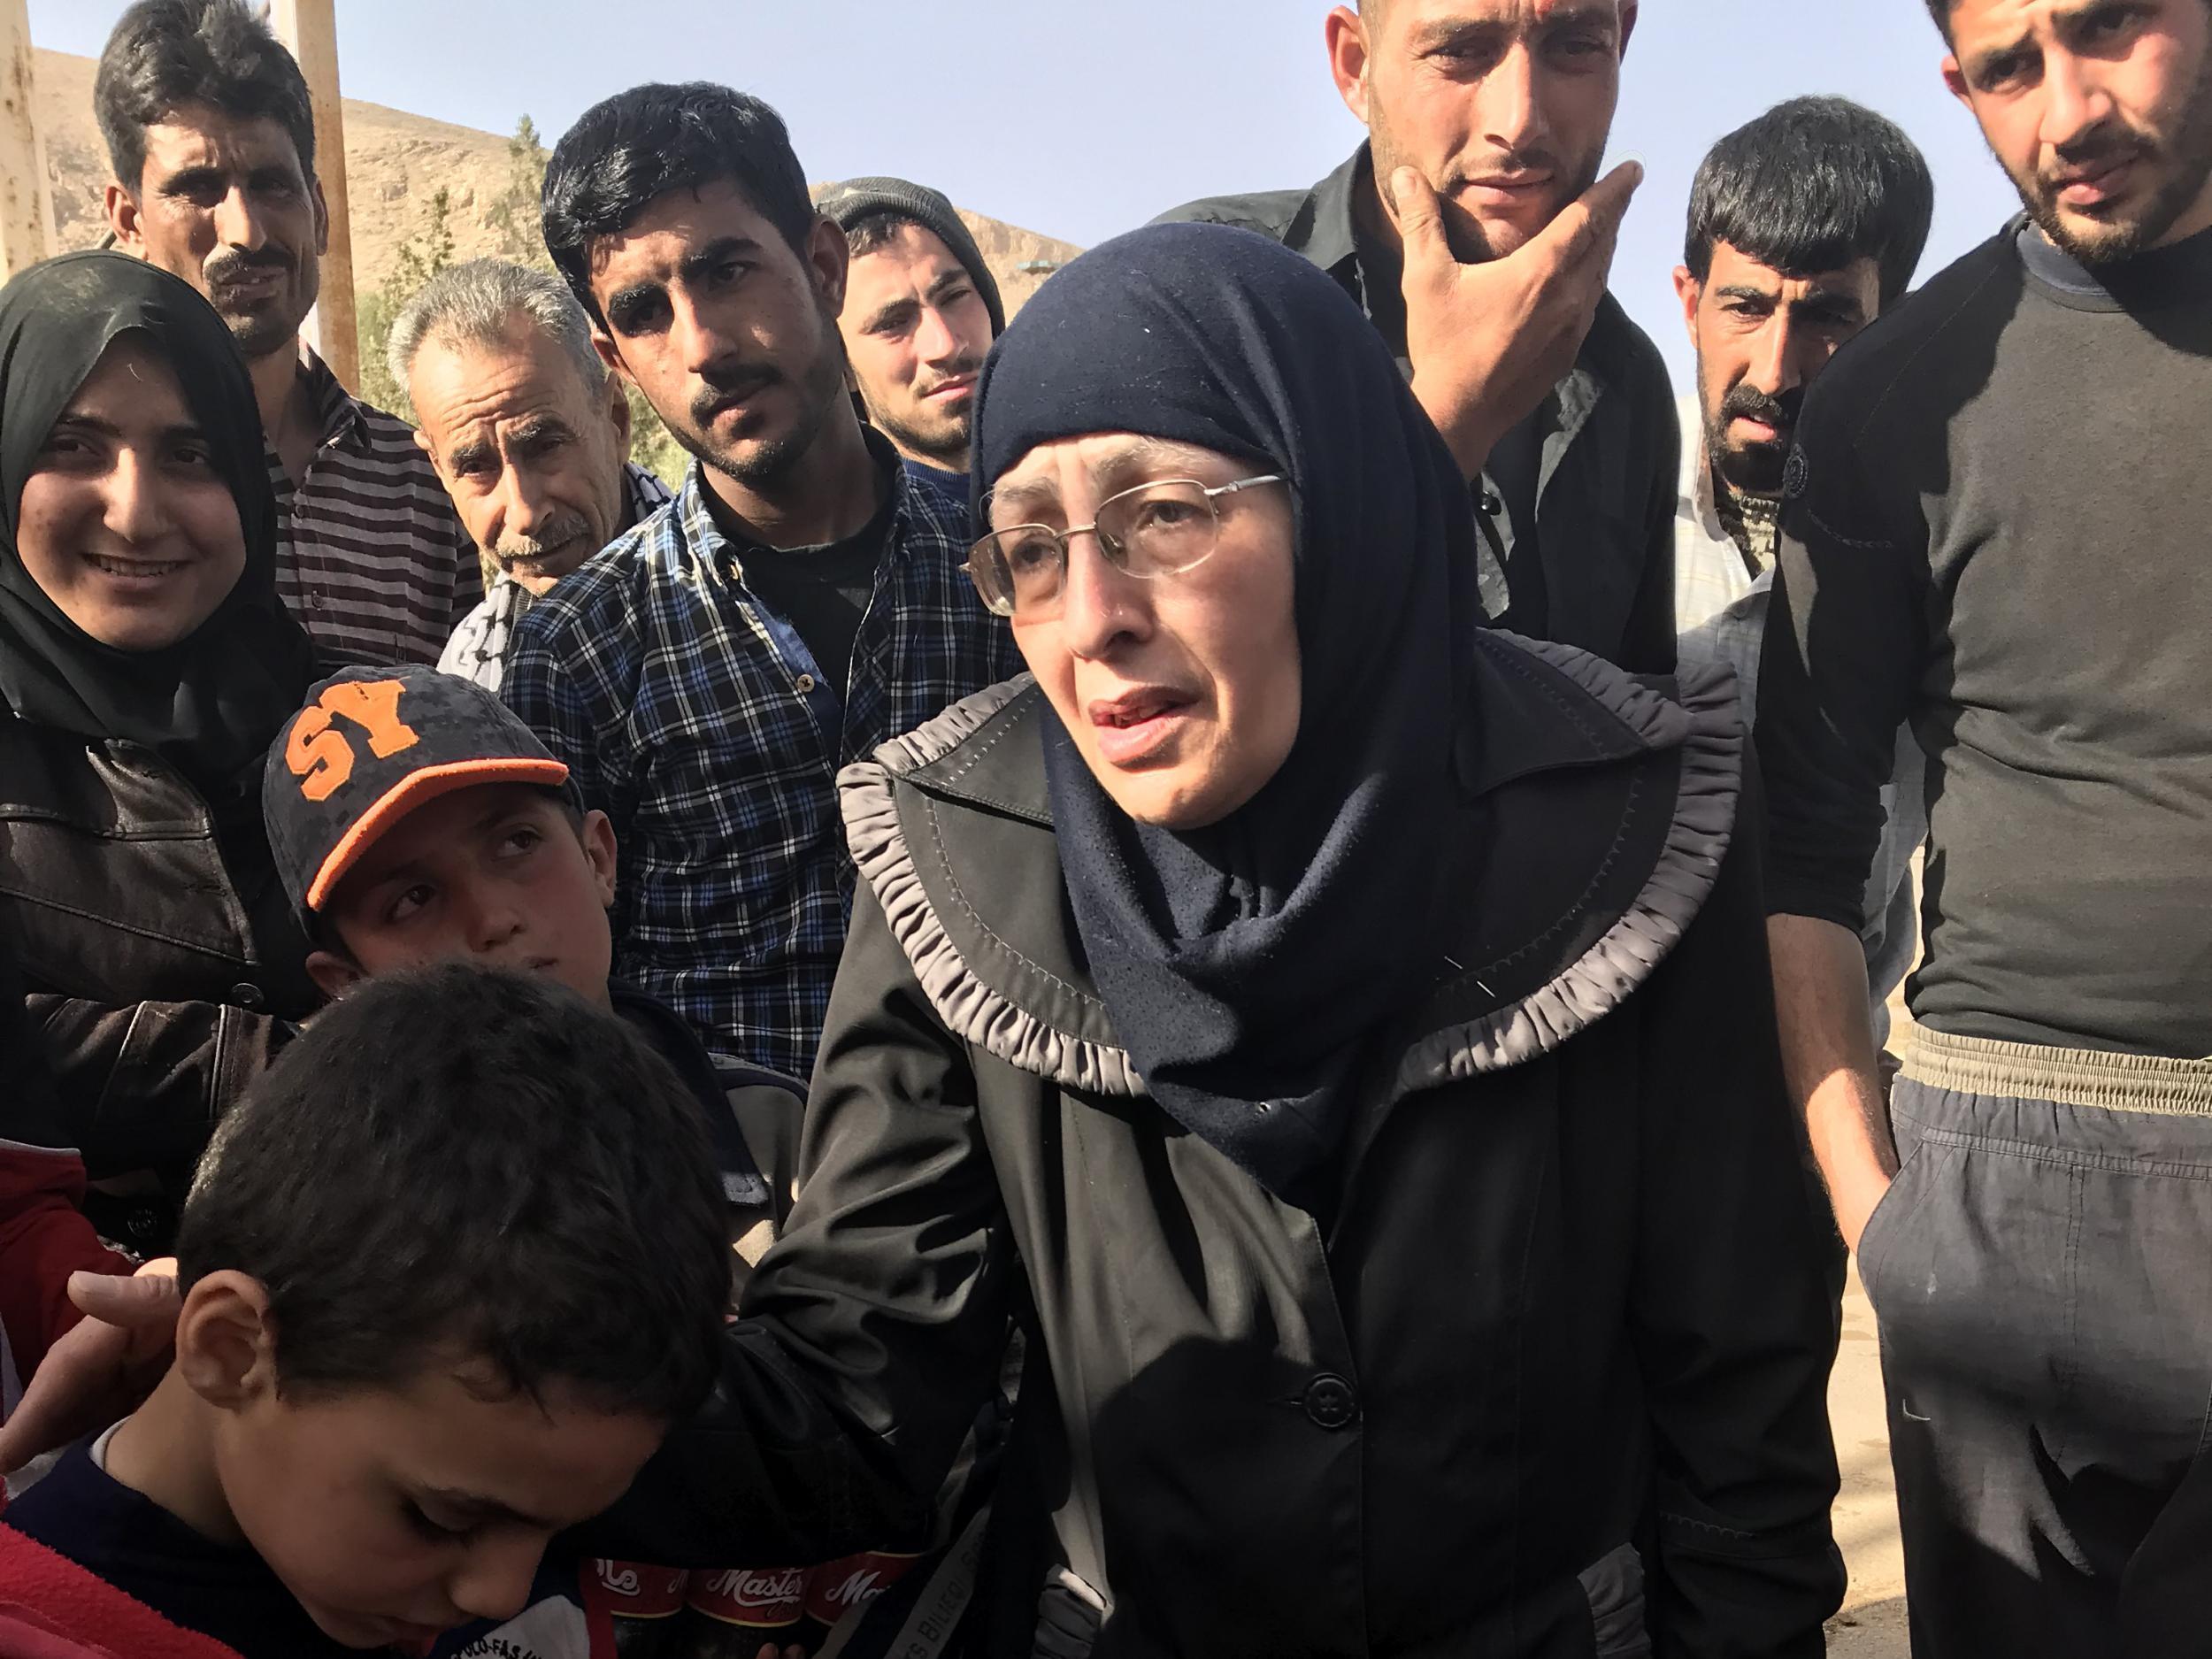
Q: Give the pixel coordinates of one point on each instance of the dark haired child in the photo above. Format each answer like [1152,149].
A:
[448,1273]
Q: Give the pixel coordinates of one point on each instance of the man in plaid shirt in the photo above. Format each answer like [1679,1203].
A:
[799,602]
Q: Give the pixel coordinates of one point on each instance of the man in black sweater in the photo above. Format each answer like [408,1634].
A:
[1473,229]
[1996,531]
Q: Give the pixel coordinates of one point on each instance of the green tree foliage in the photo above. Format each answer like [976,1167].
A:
[514,221]
[514,212]
[652,446]
[421,256]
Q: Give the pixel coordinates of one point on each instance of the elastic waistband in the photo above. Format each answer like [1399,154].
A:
[2070,1076]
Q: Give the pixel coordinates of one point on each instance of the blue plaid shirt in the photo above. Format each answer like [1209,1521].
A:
[700,723]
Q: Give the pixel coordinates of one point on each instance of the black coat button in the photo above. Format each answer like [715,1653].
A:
[1331,1402]
[246,995]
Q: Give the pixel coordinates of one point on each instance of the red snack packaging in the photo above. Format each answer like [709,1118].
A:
[853,1582]
[763,1598]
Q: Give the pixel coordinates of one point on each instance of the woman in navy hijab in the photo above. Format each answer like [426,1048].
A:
[1338,1034]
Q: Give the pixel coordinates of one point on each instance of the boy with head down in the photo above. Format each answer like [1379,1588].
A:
[448,1273]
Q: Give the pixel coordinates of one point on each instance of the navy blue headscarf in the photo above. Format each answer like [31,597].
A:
[1246,966]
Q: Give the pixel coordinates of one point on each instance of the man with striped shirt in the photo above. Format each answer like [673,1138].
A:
[208,126]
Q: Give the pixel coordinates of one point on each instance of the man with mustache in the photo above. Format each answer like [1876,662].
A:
[803,600]
[1995,530]
[921,310]
[1804,226]
[209,129]
[530,435]
[1473,229]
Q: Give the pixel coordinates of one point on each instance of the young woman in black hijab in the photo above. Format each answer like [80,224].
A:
[145,663]
[1340,1034]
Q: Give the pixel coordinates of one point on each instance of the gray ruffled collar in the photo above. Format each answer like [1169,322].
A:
[1050,1023]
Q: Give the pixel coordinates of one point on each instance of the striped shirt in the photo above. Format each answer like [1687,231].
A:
[371,557]
[697,719]
[478,649]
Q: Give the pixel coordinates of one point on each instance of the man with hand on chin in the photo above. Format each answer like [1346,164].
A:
[1474,229]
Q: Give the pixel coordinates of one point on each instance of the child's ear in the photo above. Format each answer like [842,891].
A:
[225,1342]
[334,975]
[599,847]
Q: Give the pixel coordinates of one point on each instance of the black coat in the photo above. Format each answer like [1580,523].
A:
[159,984]
[1551,1377]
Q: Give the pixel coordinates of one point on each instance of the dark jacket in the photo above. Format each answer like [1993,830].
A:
[161,989]
[1553,1373]
[1609,436]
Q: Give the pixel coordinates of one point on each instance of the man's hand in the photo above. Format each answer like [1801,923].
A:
[102,1371]
[1829,1060]
[1068,1616]
[1489,340]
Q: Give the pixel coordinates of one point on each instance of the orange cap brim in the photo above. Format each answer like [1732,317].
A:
[411,792]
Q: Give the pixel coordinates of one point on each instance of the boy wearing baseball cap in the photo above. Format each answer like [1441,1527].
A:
[416,819]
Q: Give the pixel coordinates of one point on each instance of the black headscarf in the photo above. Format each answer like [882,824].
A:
[1246,966]
[211,704]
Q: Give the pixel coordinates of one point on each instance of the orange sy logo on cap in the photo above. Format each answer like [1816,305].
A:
[321,755]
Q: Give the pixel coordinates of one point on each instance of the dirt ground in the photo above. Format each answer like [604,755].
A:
[1872,1623]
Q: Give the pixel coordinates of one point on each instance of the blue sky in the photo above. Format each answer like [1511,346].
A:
[1080,121]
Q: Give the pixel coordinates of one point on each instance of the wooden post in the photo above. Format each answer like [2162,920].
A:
[310,29]
[26,201]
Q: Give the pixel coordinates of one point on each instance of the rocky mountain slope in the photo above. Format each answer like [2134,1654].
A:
[395,162]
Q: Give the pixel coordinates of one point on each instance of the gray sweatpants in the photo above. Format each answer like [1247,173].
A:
[2041,1273]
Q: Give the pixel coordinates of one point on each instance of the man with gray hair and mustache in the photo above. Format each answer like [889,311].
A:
[529,433]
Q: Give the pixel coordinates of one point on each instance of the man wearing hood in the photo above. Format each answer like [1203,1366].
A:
[921,310]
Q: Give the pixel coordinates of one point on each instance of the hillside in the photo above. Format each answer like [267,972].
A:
[394,162]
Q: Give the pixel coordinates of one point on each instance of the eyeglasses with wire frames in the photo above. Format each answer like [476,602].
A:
[1163,528]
